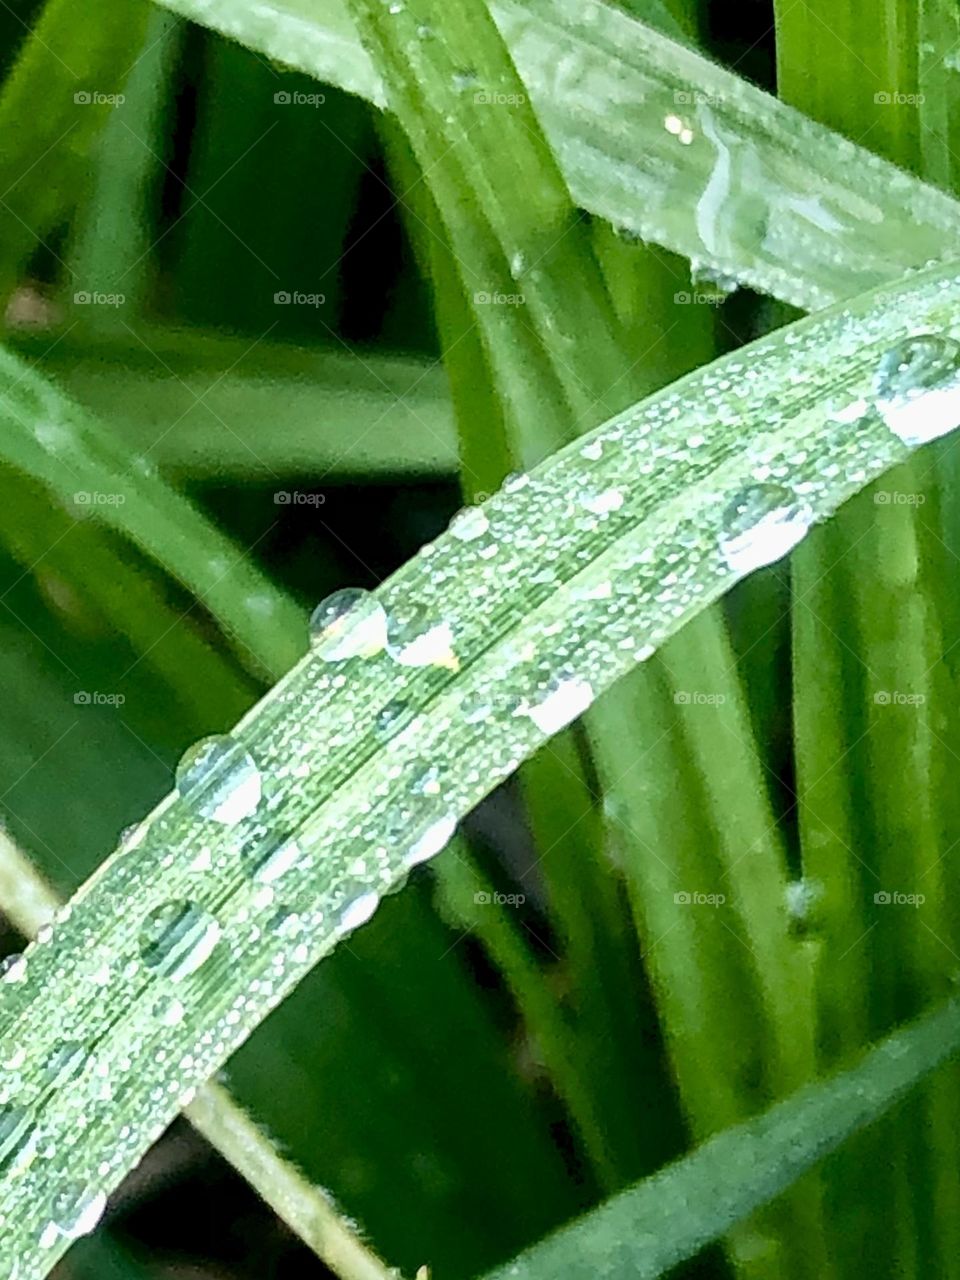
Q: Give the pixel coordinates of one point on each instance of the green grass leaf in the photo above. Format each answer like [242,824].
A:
[364,797]
[636,166]
[644,1232]
[197,404]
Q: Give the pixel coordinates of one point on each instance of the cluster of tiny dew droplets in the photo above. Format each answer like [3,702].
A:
[614,568]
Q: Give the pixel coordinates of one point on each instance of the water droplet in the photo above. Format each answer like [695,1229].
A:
[515,481]
[66,1062]
[425,780]
[17,1136]
[270,858]
[415,639]
[348,624]
[176,938]
[718,282]
[13,968]
[464,79]
[432,838]
[800,898]
[602,504]
[761,524]
[476,708]
[917,387]
[679,128]
[75,1211]
[358,910]
[169,1011]
[390,716]
[469,524]
[558,705]
[218,778]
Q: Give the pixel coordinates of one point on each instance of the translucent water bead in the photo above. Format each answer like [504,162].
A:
[351,623]
[917,387]
[760,525]
[176,938]
[218,779]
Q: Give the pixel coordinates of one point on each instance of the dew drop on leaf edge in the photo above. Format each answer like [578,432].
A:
[558,705]
[350,623]
[761,525]
[13,968]
[357,910]
[75,1211]
[917,387]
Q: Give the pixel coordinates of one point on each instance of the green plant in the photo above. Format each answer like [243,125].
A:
[680,888]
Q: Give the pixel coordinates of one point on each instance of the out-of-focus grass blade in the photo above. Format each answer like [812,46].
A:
[938,83]
[202,406]
[76,63]
[252,232]
[872,585]
[111,253]
[62,447]
[646,1231]
[58,550]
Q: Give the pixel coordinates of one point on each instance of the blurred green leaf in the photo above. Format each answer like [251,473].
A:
[646,1231]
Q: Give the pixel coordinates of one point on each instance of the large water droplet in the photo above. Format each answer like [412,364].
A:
[176,938]
[357,910]
[430,839]
[469,524]
[75,1211]
[13,968]
[558,705]
[415,639]
[271,857]
[218,778]
[169,1011]
[761,524]
[917,387]
[349,624]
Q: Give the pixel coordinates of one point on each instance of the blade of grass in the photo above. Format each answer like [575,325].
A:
[111,249]
[59,546]
[30,904]
[602,1036]
[646,1231]
[892,573]
[333,780]
[735,199]
[84,466]
[75,63]
[447,131]
[196,404]
[470,898]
